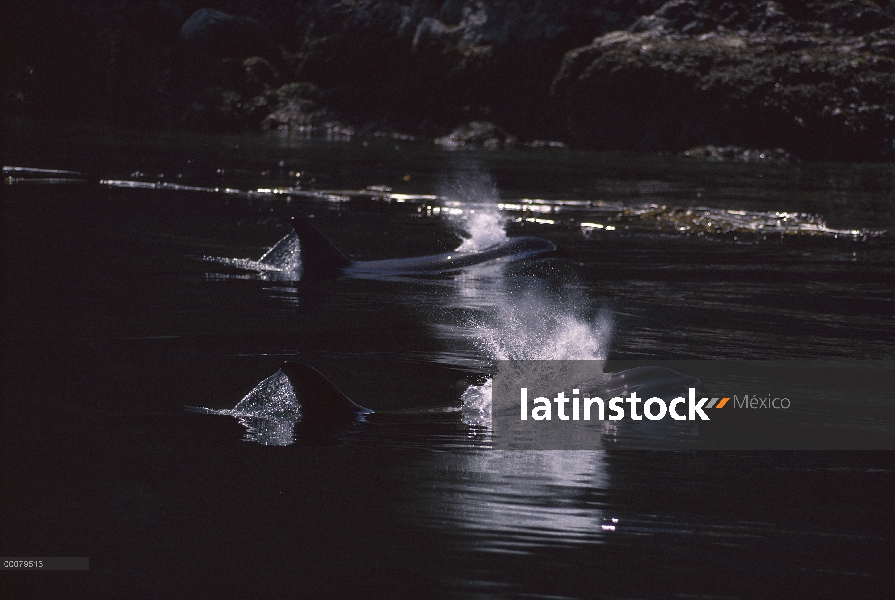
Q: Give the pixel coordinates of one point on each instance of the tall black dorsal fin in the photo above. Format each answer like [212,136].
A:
[321,401]
[319,257]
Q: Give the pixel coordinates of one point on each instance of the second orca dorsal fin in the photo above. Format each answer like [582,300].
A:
[321,401]
[319,257]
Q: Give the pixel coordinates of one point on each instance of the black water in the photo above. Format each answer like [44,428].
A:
[113,323]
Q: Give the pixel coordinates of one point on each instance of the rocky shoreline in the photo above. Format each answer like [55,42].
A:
[812,80]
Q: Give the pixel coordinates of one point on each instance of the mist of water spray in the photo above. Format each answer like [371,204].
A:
[479,221]
[533,326]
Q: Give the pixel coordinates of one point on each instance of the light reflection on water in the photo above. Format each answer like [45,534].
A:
[510,501]
[479,215]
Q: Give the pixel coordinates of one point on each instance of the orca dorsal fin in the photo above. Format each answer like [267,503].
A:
[321,401]
[319,257]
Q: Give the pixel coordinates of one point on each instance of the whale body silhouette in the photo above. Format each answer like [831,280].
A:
[322,403]
[320,259]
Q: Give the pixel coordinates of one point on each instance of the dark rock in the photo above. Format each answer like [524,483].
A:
[852,17]
[214,109]
[296,107]
[478,134]
[811,76]
[738,154]
[447,61]
[544,144]
[796,84]
[259,75]
[92,60]
[678,15]
[232,95]
[223,34]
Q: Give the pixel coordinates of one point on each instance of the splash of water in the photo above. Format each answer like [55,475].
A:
[533,326]
[475,410]
[477,218]
[485,226]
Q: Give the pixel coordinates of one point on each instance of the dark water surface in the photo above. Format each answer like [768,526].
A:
[115,320]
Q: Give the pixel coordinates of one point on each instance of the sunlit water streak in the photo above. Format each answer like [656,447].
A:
[512,501]
[473,197]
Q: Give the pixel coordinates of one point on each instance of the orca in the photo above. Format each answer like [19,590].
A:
[320,259]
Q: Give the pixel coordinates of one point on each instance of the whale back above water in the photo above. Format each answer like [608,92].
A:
[322,403]
[321,259]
